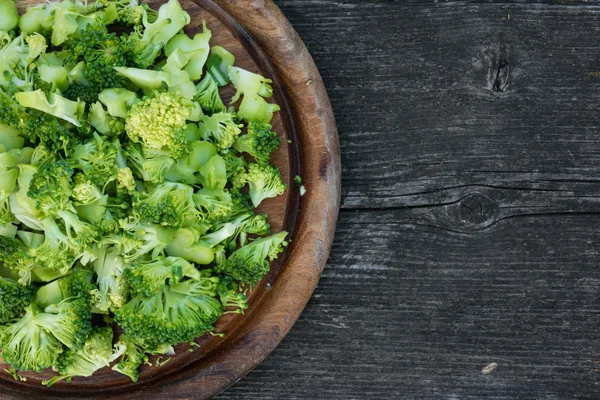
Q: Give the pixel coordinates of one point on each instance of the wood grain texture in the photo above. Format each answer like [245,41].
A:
[424,288]
[262,41]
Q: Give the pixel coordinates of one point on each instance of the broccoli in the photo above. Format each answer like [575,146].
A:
[219,129]
[68,321]
[112,290]
[195,50]
[77,283]
[255,88]
[148,279]
[186,169]
[16,62]
[149,239]
[14,254]
[149,164]
[28,346]
[264,182]
[13,299]
[54,104]
[186,244]
[169,204]
[173,76]
[259,142]
[207,95]
[103,122]
[51,188]
[249,263]
[118,101]
[135,354]
[174,315]
[213,205]
[127,187]
[131,12]
[218,64]
[9,16]
[97,352]
[229,294]
[148,42]
[97,160]
[158,122]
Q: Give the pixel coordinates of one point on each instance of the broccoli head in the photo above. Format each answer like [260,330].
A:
[169,204]
[28,346]
[97,352]
[68,321]
[249,263]
[171,316]
[149,278]
[219,129]
[159,122]
[259,142]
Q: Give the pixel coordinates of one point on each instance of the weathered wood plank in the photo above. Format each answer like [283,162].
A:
[413,85]
[406,310]
[476,239]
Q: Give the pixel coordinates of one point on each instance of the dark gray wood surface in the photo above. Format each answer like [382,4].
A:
[470,226]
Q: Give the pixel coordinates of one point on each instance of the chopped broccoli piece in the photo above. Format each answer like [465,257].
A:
[259,142]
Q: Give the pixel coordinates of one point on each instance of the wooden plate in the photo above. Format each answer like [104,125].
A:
[262,41]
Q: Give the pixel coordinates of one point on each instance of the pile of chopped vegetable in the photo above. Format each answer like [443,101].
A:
[128,187]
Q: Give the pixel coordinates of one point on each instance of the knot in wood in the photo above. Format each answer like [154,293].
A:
[476,209]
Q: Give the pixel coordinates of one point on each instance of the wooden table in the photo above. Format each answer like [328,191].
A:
[470,225]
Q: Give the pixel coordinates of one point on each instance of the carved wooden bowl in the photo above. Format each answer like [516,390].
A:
[263,41]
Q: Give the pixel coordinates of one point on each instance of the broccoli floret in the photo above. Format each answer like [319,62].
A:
[15,62]
[125,179]
[246,82]
[148,239]
[219,129]
[131,12]
[149,165]
[264,182]
[254,108]
[118,101]
[68,321]
[28,346]
[56,253]
[249,263]
[102,52]
[148,279]
[255,88]
[89,202]
[148,42]
[259,142]
[186,244]
[169,204]
[97,160]
[186,169]
[105,123]
[195,50]
[207,95]
[78,283]
[230,295]
[171,316]
[97,352]
[135,354]
[13,299]
[53,104]
[51,187]
[112,291]
[213,204]
[159,122]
